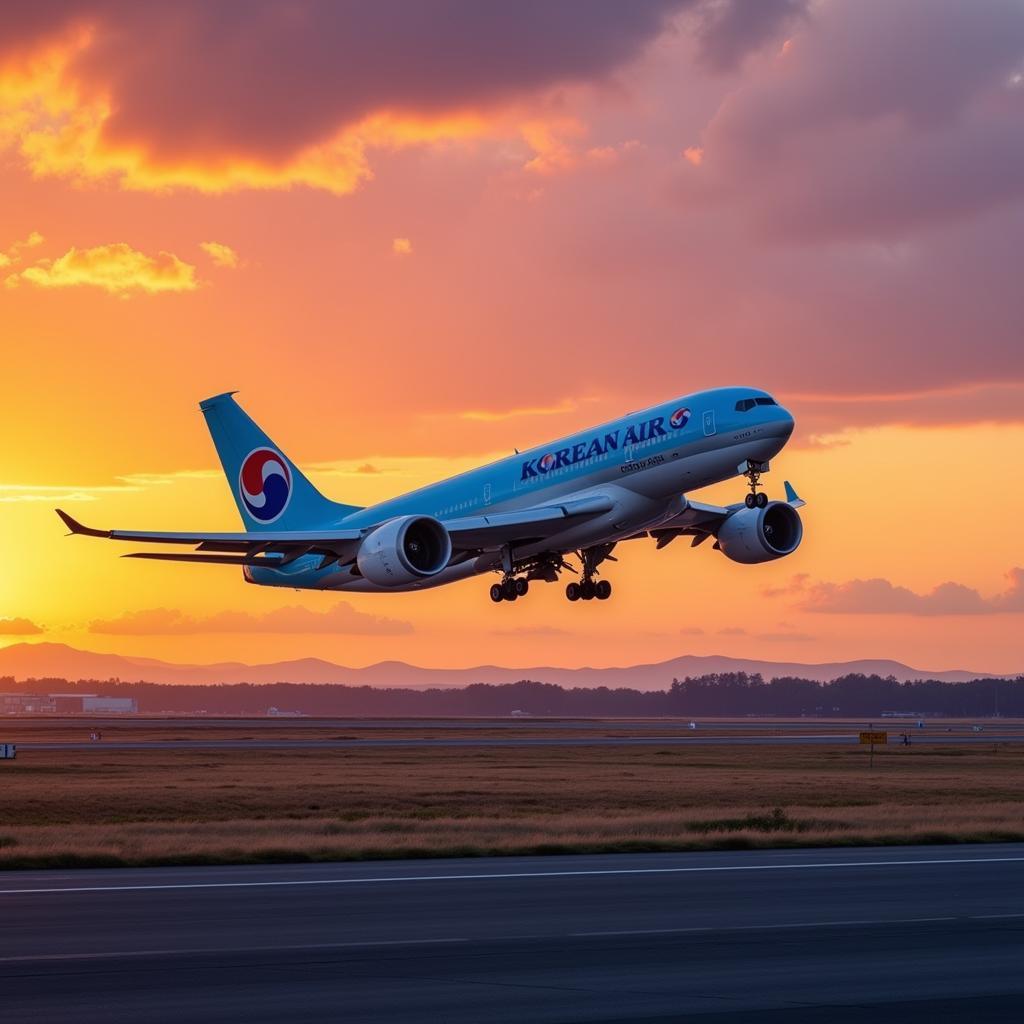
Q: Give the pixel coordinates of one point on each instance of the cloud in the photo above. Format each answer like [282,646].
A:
[222,255]
[13,254]
[334,81]
[879,118]
[401,246]
[116,268]
[566,405]
[531,631]
[728,31]
[279,94]
[341,619]
[51,493]
[881,597]
[19,627]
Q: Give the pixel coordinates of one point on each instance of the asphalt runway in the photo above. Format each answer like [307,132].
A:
[676,740]
[127,722]
[910,934]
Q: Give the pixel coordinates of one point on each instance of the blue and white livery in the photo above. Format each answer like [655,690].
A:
[520,517]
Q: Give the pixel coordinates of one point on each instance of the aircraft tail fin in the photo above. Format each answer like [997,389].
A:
[271,492]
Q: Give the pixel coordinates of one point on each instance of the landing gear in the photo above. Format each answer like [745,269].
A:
[546,568]
[511,588]
[753,473]
[588,588]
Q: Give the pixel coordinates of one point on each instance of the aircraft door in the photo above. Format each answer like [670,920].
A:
[709,422]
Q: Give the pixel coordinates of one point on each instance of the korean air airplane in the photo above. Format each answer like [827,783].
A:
[520,517]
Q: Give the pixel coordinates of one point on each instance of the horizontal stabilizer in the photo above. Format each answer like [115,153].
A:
[792,497]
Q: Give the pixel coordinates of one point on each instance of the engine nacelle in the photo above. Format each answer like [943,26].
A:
[404,550]
[761,534]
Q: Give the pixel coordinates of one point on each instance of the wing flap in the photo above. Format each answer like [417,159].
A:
[499,528]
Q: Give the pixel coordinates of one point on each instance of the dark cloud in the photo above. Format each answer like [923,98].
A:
[882,597]
[266,78]
[880,118]
[728,30]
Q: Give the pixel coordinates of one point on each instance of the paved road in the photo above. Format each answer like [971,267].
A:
[689,740]
[913,934]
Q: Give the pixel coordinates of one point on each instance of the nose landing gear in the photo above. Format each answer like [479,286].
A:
[753,474]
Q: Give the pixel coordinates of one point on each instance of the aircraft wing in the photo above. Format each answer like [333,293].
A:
[701,521]
[494,530]
[468,534]
[237,548]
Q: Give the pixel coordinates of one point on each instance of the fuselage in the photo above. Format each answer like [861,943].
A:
[646,461]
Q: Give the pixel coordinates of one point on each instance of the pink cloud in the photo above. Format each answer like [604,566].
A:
[342,618]
[882,597]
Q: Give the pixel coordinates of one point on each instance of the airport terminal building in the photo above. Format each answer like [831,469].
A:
[66,704]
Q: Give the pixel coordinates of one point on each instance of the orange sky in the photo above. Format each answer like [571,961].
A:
[406,276]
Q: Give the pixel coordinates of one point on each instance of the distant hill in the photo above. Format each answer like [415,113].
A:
[25,661]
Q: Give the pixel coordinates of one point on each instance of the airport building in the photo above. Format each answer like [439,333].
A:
[66,704]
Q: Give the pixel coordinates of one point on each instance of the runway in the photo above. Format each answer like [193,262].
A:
[673,740]
[909,934]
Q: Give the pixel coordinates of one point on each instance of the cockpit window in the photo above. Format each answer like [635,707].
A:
[746,404]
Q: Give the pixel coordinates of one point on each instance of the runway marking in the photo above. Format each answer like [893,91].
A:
[305,947]
[766,927]
[585,873]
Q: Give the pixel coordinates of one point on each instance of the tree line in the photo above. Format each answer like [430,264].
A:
[720,694]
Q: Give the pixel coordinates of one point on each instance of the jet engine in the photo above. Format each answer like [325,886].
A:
[404,550]
[753,535]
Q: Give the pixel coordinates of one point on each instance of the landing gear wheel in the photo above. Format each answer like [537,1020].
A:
[497,595]
[508,590]
[587,590]
[572,591]
[602,590]
[522,586]
[761,500]
[750,500]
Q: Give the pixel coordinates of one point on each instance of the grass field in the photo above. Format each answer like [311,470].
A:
[99,807]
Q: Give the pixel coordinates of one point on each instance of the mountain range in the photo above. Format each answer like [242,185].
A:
[49,660]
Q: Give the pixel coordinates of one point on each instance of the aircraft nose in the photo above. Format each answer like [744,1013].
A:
[785,424]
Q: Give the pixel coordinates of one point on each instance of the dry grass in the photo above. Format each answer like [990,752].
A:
[106,807]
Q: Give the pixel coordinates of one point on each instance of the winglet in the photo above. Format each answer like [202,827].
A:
[76,527]
[792,497]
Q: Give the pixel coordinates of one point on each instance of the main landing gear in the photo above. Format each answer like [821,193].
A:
[517,575]
[753,473]
[588,588]
[509,589]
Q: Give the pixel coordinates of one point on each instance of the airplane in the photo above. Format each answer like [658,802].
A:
[519,517]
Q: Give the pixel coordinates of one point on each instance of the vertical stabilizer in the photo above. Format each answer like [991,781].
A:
[270,491]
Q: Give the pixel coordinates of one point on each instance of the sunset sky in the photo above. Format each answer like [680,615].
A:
[416,235]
